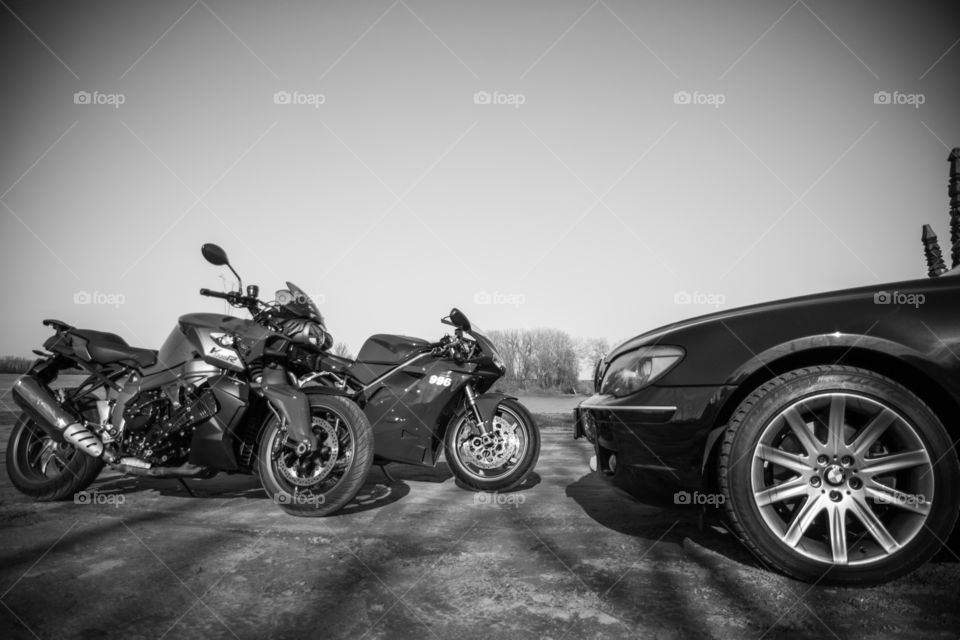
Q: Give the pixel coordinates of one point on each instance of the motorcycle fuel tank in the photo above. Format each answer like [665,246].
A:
[209,336]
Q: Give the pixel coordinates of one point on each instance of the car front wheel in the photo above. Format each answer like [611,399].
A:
[839,475]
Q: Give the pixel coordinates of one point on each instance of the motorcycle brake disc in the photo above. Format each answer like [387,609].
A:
[326,438]
[493,450]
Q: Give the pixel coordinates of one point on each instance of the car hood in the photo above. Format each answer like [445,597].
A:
[824,300]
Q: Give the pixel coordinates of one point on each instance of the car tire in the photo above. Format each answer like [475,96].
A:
[839,475]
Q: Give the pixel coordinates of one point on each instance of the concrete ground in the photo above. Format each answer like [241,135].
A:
[568,556]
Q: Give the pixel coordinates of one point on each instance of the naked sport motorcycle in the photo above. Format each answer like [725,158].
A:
[222,394]
[423,398]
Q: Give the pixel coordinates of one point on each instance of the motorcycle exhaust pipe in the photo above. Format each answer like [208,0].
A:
[35,399]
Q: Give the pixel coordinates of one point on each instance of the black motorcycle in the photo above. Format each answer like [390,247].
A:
[222,394]
[422,396]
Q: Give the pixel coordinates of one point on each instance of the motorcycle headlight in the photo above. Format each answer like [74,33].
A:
[635,370]
[224,339]
[305,332]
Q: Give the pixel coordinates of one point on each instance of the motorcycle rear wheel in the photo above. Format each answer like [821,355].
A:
[44,469]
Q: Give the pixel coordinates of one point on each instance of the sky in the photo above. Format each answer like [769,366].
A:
[599,167]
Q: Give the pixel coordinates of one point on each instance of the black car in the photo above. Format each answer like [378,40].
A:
[825,426]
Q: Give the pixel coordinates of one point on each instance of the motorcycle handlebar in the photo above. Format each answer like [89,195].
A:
[216,294]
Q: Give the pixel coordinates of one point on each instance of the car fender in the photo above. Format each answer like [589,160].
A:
[763,359]
[822,341]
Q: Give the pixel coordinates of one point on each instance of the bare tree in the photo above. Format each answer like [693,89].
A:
[341,349]
[542,358]
[589,350]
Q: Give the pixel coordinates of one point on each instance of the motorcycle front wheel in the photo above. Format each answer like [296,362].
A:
[499,460]
[318,483]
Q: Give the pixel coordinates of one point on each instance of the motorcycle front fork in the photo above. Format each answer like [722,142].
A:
[472,401]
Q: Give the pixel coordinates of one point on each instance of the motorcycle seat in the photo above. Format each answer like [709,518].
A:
[107,348]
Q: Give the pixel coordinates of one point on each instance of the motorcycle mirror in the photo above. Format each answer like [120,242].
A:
[458,319]
[214,254]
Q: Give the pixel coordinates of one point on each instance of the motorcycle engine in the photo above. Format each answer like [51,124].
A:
[159,431]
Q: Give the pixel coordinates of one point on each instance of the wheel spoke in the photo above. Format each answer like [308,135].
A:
[872,431]
[782,458]
[896,462]
[907,501]
[837,421]
[802,521]
[838,533]
[802,432]
[785,491]
[874,527]
[43,449]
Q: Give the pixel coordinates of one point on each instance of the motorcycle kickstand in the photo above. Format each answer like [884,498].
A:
[187,487]
[383,469]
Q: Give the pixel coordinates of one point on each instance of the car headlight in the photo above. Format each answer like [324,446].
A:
[634,370]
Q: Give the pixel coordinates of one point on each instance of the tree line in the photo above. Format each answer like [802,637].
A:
[13,364]
[536,359]
[546,359]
